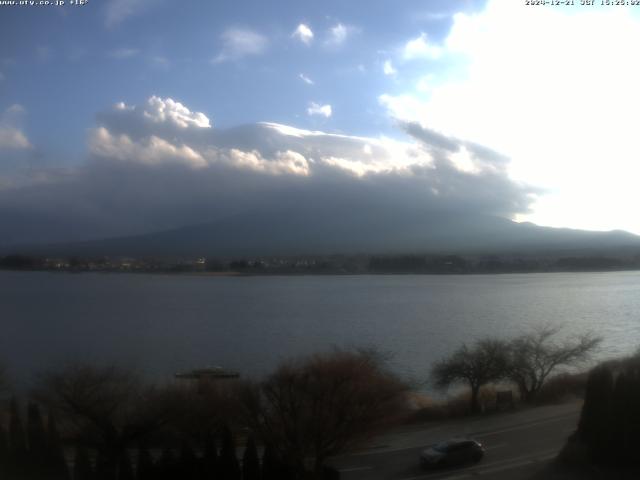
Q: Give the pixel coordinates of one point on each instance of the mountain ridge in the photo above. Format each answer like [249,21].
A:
[319,232]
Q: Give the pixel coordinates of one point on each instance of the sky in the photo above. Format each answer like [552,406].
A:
[120,117]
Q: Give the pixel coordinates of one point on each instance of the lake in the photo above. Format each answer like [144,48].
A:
[166,323]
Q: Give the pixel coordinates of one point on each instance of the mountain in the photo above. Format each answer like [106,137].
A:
[375,232]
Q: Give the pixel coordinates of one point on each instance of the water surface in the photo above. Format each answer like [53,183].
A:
[165,323]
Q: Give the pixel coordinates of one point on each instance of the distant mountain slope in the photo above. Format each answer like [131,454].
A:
[322,232]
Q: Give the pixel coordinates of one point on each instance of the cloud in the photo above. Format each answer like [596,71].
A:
[420,48]
[157,114]
[117,11]
[287,162]
[321,110]
[160,61]
[15,111]
[161,165]
[149,151]
[124,53]
[339,33]
[303,33]
[240,42]
[11,135]
[465,155]
[305,79]
[493,88]
[388,68]
[167,110]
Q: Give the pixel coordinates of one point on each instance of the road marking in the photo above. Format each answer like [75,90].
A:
[521,427]
[517,464]
[494,466]
[491,447]
[354,469]
[381,450]
[384,448]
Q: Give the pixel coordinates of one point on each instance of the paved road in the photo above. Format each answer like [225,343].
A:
[517,444]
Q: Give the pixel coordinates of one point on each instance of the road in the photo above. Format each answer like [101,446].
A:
[517,444]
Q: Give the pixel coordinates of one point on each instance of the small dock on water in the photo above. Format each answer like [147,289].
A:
[207,377]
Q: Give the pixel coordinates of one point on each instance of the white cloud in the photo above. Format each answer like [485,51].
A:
[11,135]
[503,90]
[151,150]
[14,110]
[123,53]
[339,33]
[167,110]
[318,109]
[241,42]
[164,118]
[423,85]
[420,48]
[303,33]
[287,162]
[388,68]
[306,79]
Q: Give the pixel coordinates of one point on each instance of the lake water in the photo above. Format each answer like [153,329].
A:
[163,324]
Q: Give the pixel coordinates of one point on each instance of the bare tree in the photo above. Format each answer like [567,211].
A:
[205,409]
[484,362]
[109,408]
[323,406]
[534,356]
[4,380]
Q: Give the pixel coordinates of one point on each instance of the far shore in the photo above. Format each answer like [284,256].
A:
[232,273]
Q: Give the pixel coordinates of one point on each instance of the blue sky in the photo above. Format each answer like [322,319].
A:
[71,62]
[528,113]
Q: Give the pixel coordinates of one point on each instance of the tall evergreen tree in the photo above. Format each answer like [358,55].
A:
[633,419]
[619,452]
[17,442]
[125,470]
[37,442]
[82,468]
[36,434]
[56,462]
[188,463]
[229,466]
[145,464]
[105,467]
[4,453]
[210,458]
[166,466]
[269,464]
[593,427]
[250,461]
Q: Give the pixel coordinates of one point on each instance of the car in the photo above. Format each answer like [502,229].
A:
[456,451]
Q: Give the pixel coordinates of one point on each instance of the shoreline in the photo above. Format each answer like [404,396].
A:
[315,274]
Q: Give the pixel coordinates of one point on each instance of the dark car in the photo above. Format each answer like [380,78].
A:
[456,451]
